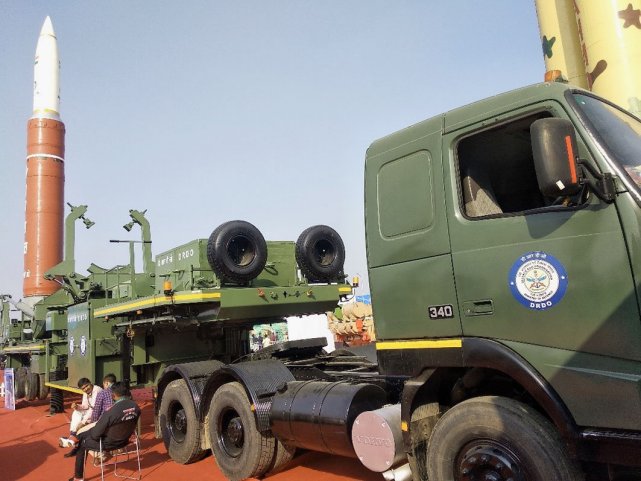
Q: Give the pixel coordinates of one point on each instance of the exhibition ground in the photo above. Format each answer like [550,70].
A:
[29,451]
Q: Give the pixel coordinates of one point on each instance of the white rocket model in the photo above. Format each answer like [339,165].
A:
[44,206]
[46,74]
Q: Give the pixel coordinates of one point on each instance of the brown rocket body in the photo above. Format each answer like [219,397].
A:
[44,207]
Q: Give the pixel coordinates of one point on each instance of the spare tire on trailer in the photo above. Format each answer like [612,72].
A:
[237,251]
[320,254]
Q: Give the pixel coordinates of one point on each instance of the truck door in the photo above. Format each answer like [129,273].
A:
[530,269]
[410,267]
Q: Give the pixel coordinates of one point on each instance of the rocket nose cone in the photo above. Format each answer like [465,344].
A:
[47,28]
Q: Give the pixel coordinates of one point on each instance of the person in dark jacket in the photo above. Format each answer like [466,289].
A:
[115,427]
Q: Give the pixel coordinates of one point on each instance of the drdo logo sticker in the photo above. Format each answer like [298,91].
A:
[538,280]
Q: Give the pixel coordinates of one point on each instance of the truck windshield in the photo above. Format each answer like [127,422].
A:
[619,132]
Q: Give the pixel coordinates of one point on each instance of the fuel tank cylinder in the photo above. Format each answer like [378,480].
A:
[319,415]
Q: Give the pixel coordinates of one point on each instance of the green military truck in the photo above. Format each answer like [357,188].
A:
[504,263]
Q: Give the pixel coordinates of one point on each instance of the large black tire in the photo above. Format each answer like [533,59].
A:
[241,451]
[237,251]
[19,382]
[282,456]
[320,254]
[179,425]
[497,438]
[31,386]
[43,390]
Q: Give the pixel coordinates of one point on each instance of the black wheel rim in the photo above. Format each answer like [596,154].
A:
[177,422]
[241,251]
[324,253]
[231,433]
[488,460]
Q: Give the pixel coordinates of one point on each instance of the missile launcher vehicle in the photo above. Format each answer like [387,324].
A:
[196,302]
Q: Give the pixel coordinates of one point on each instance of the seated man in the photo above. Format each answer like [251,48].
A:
[104,399]
[103,402]
[81,412]
[115,427]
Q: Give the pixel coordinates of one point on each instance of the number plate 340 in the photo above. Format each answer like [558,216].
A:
[441,312]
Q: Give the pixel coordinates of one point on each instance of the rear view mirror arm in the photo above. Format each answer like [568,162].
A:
[603,186]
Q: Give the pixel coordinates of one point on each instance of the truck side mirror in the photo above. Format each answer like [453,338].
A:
[555,157]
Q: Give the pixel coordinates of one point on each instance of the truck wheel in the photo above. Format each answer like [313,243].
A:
[31,386]
[282,456]
[43,390]
[241,451]
[497,438]
[320,253]
[237,251]
[179,425]
[19,382]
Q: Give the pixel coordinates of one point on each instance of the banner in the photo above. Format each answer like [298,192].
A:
[9,393]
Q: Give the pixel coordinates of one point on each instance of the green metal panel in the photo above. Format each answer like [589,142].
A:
[410,268]
[597,314]
[404,205]
[5,322]
[107,347]
[88,340]
[56,321]
[81,360]
[485,111]
[162,346]
[407,292]
[109,365]
[630,216]
[280,269]
[185,266]
[416,211]
[265,303]
[600,391]
[38,362]
[239,303]
[140,351]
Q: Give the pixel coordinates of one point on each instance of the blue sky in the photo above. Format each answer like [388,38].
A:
[208,111]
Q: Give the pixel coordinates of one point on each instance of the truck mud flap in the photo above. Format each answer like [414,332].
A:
[261,379]
[195,375]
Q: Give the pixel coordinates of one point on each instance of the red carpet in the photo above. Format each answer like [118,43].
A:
[29,452]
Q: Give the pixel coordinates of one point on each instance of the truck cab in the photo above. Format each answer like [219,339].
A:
[476,263]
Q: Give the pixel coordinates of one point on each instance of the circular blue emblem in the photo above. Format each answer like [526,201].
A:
[538,280]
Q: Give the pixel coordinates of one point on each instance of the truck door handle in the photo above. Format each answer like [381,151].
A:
[483,307]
